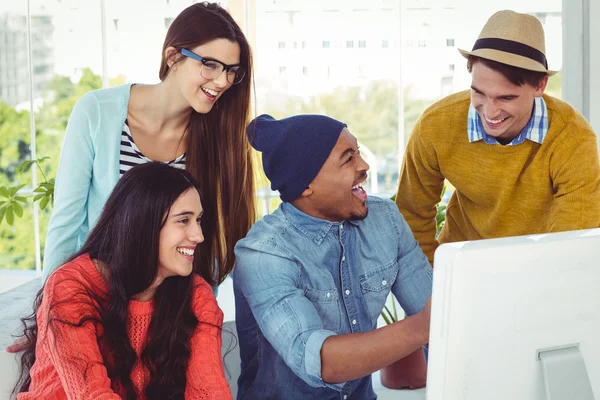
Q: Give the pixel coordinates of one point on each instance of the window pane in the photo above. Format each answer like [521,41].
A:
[17,250]
[358,83]
[67,62]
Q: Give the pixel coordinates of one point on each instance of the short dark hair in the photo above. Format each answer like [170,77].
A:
[517,76]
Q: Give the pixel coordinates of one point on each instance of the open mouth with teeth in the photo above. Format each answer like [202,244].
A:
[187,252]
[211,94]
[495,123]
[358,191]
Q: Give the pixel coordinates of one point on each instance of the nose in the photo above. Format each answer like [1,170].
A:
[362,165]
[491,109]
[195,234]
[221,80]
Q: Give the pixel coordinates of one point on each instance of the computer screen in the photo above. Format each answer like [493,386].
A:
[516,318]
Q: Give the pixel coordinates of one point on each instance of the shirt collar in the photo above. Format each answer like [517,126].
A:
[314,228]
[535,130]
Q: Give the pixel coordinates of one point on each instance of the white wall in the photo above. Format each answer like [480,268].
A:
[594,61]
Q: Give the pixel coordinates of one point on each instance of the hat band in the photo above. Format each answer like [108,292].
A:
[510,46]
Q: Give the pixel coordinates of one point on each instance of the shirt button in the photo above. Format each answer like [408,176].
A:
[328,294]
[345,396]
[384,282]
[347,292]
[353,322]
[343,258]
[341,227]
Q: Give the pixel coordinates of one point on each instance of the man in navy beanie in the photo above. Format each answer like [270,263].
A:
[312,278]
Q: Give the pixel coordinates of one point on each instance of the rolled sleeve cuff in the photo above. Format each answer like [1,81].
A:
[312,360]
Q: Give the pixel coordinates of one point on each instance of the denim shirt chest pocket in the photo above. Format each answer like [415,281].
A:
[376,285]
[327,304]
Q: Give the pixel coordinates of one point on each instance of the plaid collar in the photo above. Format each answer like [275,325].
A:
[535,130]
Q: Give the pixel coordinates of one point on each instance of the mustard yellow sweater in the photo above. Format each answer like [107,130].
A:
[500,190]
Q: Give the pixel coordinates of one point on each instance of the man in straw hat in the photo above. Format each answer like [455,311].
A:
[521,162]
[312,278]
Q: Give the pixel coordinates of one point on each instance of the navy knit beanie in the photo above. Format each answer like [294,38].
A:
[293,149]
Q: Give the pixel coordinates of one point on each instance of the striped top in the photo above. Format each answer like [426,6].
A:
[535,130]
[132,156]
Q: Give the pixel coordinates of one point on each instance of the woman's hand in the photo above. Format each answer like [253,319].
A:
[18,345]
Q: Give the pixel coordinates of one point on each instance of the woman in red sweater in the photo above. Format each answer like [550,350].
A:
[125,318]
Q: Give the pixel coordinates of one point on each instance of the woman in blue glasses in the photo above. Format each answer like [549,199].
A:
[195,118]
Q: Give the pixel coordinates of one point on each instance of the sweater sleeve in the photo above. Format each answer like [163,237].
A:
[206,376]
[575,174]
[420,189]
[74,350]
[72,184]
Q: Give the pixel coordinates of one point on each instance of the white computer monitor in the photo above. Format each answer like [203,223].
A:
[498,302]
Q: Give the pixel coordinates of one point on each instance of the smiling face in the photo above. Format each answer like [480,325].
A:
[336,194]
[504,108]
[200,93]
[179,236]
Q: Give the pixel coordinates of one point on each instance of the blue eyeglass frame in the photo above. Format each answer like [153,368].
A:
[226,67]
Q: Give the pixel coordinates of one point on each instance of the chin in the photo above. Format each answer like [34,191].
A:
[203,108]
[187,271]
[362,215]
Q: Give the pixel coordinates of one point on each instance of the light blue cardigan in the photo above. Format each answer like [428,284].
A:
[88,171]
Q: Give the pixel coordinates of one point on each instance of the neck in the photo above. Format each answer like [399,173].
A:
[146,295]
[161,105]
[149,293]
[303,205]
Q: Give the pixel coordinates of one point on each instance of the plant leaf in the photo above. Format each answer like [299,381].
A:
[44,202]
[4,191]
[390,314]
[14,190]
[18,209]
[38,197]
[10,216]
[2,212]
[24,166]
[385,318]
[21,199]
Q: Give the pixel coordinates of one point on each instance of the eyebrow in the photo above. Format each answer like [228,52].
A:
[221,62]
[504,96]
[349,150]
[181,214]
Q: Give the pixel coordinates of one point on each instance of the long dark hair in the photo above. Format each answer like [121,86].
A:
[125,241]
[218,154]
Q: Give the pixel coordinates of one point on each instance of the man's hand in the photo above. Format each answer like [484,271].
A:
[355,355]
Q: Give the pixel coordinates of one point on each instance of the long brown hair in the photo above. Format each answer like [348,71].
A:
[126,241]
[218,154]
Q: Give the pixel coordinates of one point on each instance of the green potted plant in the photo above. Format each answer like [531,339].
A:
[12,201]
[409,372]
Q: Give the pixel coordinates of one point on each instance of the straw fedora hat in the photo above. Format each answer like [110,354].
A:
[513,39]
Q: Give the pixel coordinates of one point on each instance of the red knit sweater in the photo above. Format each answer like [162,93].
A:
[69,364]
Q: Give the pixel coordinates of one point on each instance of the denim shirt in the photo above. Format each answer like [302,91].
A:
[299,280]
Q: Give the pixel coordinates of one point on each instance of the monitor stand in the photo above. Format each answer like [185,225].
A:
[565,375]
